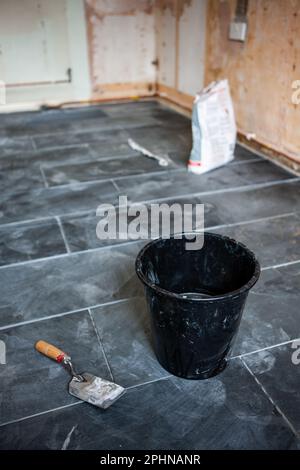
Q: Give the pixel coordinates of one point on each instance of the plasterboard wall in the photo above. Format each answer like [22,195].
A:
[181,31]
[53,38]
[114,48]
[136,46]
[122,47]
[166,42]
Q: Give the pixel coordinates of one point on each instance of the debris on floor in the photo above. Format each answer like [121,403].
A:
[163,161]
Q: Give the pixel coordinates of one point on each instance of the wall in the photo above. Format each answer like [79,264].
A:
[122,47]
[261,70]
[114,48]
[181,26]
[156,44]
[39,41]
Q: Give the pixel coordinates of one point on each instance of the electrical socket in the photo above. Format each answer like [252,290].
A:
[238,30]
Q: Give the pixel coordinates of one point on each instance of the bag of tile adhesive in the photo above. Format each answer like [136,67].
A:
[213,128]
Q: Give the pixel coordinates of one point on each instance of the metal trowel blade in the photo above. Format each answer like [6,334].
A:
[94,390]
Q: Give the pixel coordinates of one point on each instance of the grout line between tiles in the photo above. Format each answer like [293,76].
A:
[72,253]
[235,189]
[60,225]
[93,154]
[44,177]
[174,169]
[239,356]
[19,420]
[33,143]
[218,191]
[281,265]
[101,345]
[247,160]
[74,132]
[165,377]
[58,315]
[115,185]
[149,201]
[112,128]
[80,402]
[132,242]
[28,221]
[121,178]
[60,147]
[252,221]
[278,409]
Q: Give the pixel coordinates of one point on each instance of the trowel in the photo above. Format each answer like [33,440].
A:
[85,386]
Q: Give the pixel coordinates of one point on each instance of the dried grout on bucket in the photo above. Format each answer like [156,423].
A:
[195,299]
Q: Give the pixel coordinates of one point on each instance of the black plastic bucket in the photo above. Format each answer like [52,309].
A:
[196,300]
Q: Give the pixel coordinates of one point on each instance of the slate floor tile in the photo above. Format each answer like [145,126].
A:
[31,383]
[161,139]
[243,154]
[16,178]
[52,122]
[12,145]
[140,107]
[143,188]
[47,202]
[53,115]
[81,233]
[81,230]
[250,204]
[259,172]
[26,241]
[172,119]
[114,148]
[53,157]
[115,123]
[124,329]
[183,149]
[219,209]
[280,376]
[274,241]
[227,412]
[56,285]
[36,127]
[82,113]
[271,314]
[79,138]
[105,169]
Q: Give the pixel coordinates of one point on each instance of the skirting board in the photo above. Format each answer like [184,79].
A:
[270,152]
[123,90]
[175,96]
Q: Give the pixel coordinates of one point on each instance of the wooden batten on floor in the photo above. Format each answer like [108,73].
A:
[116,91]
[175,96]
[283,159]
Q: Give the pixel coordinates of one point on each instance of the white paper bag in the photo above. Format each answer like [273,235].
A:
[214,128]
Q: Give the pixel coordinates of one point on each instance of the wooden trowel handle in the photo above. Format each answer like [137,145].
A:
[50,351]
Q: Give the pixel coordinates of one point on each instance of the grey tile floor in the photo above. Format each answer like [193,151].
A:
[60,283]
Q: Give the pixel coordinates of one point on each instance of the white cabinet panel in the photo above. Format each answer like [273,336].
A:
[33,41]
